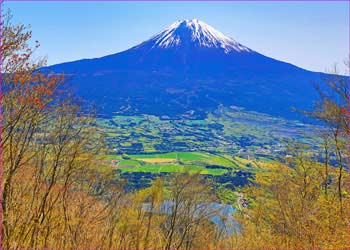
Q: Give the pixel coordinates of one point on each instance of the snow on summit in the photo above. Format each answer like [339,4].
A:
[197,33]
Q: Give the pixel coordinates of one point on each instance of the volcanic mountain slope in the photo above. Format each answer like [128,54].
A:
[190,68]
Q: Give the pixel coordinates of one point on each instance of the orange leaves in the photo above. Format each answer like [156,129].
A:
[41,83]
[345,111]
[23,80]
[17,77]
[32,100]
[34,88]
[24,57]
[43,90]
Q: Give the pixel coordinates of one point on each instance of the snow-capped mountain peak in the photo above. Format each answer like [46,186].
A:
[197,33]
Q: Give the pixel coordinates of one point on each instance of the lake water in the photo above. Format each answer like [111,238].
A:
[220,214]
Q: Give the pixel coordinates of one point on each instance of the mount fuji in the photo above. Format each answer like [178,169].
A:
[190,68]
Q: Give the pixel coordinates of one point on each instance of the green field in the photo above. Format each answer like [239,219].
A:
[175,162]
[228,146]
[224,131]
[227,140]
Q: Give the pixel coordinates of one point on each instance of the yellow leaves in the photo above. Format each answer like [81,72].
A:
[289,203]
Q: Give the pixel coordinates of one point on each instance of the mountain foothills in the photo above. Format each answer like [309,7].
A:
[190,68]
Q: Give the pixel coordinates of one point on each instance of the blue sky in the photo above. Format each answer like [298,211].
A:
[312,35]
